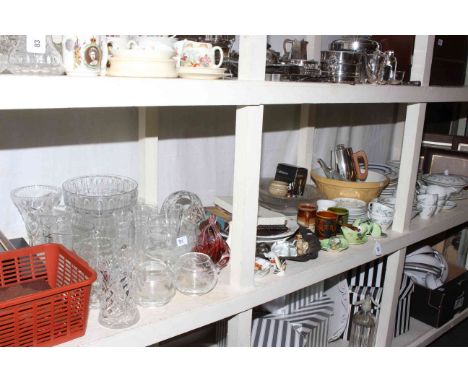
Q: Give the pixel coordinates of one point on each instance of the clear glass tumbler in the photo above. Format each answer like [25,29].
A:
[32,202]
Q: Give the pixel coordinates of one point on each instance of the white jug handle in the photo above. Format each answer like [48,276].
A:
[221,55]
[104,55]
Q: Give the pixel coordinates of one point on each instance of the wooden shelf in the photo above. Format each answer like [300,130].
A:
[56,92]
[185,313]
[421,334]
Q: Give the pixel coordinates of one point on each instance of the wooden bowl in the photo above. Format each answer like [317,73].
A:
[366,191]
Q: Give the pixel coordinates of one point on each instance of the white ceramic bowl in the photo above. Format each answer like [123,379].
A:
[142,68]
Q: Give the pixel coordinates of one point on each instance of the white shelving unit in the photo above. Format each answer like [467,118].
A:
[238,292]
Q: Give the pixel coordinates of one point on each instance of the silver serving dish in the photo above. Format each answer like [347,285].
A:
[356,45]
[446,180]
[341,66]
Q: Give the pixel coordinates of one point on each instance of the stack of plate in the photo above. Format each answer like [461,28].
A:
[200,73]
[390,170]
[357,208]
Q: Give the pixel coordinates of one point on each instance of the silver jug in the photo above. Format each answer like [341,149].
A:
[298,50]
[347,163]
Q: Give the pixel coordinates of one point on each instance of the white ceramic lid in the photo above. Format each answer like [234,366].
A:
[446,180]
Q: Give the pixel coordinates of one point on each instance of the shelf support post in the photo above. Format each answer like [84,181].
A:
[148,121]
[307,122]
[237,327]
[247,158]
[412,139]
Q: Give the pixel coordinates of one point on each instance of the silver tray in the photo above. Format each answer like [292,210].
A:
[286,205]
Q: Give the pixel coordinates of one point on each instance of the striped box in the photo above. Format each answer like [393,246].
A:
[296,300]
[297,319]
[369,278]
[306,326]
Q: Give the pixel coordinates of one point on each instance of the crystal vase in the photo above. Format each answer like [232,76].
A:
[32,202]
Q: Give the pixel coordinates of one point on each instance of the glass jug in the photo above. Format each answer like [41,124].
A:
[33,55]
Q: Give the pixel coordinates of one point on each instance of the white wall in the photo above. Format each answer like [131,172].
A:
[196,149]
[50,146]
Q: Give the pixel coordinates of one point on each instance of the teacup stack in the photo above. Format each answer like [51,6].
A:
[428,205]
[443,193]
[381,214]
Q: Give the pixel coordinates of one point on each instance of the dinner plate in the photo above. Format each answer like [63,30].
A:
[290,224]
[337,290]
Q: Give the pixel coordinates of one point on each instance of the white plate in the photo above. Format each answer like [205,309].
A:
[292,227]
[339,293]
[351,204]
[203,76]
[202,73]
[290,224]
[186,69]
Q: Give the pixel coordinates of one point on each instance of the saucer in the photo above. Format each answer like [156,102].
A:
[199,73]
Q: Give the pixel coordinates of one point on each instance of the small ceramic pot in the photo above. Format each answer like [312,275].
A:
[343,214]
[326,224]
[278,188]
[306,213]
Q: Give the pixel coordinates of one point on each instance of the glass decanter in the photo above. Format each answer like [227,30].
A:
[363,325]
[24,59]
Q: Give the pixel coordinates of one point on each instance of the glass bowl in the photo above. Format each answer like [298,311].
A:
[155,283]
[100,193]
[195,274]
[184,206]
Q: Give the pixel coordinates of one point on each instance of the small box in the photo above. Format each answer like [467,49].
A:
[436,307]
[303,327]
[296,177]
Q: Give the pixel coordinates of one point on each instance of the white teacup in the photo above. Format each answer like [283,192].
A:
[376,208]
[198,54]
[381,214]
[384,221]
[325,204]
[428,199]
[427,205]
[84,55]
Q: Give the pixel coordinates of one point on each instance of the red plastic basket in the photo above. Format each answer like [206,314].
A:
[47,317]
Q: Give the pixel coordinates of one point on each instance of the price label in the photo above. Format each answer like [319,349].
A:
[377,249]
[181,241]
[36,44]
